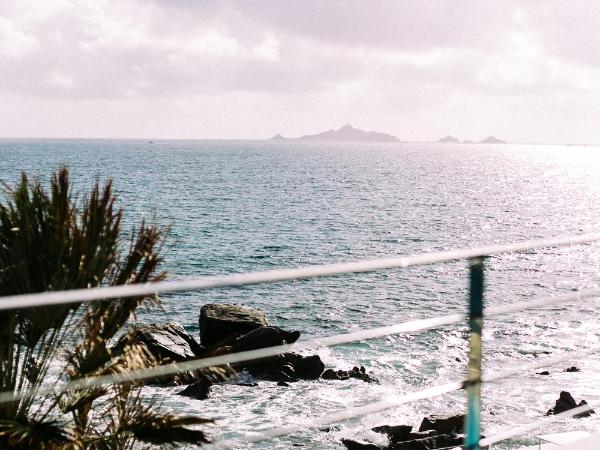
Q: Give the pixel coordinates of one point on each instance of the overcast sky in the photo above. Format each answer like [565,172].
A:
[525,71]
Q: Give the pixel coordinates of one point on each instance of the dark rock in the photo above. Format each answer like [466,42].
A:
[459,439]
[282,383]
[444,425]
[428,443]
[573,369]
[273,368]
[198,390]
[545,372]
[247,384]
[264,337]
[566,402]
[309,367]
[331,374]
[356,372]
[422,434]
[165,341]
[359,445]
[395,433]
[222,322]
[285,367]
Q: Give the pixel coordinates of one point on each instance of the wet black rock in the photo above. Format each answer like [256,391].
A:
[272,368]
[220,323]
[356,372]
[286,367]
[573,369]
[566,402]
[428,443]
[264,337]
[165,341]
[436,432]
[545,372]
[359,445]
[395,433]
[283,383]
[198,390]
[422,434]
[309,367]
[444,424]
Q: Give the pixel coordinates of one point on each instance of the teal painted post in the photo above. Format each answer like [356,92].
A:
[473,419]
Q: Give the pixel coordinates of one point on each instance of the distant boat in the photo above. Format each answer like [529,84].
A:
[345,134]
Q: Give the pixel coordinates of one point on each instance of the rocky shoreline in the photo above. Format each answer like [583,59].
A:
[435,432]
[229,328]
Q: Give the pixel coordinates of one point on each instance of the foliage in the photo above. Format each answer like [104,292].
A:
[51,241]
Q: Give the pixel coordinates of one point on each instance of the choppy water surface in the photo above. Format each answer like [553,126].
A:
[240,206]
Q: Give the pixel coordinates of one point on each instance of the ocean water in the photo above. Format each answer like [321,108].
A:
[237,206]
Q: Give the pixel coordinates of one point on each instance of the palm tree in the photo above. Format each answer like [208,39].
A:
[53,241]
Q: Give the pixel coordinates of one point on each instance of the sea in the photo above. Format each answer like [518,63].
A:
[238,206]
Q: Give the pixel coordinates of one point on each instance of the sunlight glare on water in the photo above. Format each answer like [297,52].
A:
[237,206]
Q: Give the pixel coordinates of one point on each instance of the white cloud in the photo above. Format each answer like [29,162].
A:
[393,62]
[14,41]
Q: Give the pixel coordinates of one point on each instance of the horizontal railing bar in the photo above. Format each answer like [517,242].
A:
[518,431]
[214,361]
[391,402]
[274,276]
[311,344]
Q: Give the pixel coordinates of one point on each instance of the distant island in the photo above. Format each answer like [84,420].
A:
[488,140]
[450,139]
[345,134]
[492,140]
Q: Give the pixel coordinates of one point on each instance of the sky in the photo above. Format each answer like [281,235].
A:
[524,71]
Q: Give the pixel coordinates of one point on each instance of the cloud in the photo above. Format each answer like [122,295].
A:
[398,55]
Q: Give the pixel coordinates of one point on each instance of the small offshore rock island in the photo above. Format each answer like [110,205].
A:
[345,134]
[348,133]
[454,140]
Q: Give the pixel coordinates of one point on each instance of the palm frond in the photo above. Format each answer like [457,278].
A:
[166,429]
[50,240]
[28,434]
[78,399]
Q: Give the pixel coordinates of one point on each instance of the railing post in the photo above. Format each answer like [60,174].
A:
[473,419]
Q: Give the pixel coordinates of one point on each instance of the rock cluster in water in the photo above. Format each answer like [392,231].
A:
[226,329]
[566,402]
[435,432]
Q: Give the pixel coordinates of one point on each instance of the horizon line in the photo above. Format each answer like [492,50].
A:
[4,138]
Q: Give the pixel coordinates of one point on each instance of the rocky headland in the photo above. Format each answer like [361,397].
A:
[345,134]
[231,328]
[227,329]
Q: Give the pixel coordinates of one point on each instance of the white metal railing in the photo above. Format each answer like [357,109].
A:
[475,256]
[274,276]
